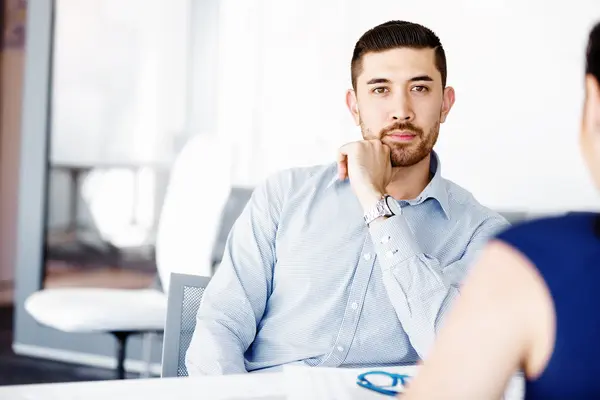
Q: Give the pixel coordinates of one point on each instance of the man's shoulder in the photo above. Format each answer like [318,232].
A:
[293,178]
[464,204]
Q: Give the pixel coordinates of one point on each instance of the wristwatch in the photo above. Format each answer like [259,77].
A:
[385,207]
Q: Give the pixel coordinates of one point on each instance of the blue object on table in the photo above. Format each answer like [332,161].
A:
[388,381]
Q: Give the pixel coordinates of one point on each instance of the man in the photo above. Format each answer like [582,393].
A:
[354,263]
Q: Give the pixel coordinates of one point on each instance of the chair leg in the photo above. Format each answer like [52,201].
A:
[121,347]
[147,339]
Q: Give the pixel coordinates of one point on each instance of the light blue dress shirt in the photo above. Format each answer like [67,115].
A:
[304,280]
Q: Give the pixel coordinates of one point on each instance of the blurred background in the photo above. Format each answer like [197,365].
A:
[226,92]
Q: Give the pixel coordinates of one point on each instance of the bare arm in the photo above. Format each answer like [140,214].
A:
[419,288]
[503,321]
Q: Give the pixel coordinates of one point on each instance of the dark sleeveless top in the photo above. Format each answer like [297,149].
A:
[566,251]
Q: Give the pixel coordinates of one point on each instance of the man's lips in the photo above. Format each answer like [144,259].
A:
[403,136]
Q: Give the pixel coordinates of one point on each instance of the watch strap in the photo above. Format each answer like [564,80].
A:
[380,209]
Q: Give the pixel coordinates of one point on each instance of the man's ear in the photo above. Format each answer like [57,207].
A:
[592,106]
[352,104]
[447,102]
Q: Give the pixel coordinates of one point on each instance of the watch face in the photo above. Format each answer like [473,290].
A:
[393,205]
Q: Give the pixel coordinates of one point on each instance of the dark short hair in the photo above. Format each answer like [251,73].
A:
[592,65]
[397,34]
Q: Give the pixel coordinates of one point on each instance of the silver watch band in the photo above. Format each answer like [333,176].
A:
[380,209]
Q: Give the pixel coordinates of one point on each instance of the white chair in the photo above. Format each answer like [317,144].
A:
[191,213]
[197,191]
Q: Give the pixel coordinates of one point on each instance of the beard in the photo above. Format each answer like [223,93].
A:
[406,154]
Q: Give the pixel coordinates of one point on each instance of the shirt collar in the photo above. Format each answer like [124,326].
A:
[436,189]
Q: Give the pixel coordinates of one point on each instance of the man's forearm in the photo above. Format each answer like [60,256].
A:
[414,281]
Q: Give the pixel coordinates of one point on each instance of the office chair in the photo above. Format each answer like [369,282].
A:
[197,192]
[185,295]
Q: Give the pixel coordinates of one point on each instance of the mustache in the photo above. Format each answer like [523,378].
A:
[402,126]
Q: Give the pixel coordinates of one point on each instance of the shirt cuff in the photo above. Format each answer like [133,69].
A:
[394,241]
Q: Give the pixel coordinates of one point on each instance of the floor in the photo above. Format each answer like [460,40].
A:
[65,275]
[103,277]
[7,294]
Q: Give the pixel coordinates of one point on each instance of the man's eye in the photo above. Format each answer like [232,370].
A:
[380,90]
[420,89]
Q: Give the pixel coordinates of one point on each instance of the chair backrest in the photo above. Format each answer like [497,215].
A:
[185,294]
[198,189]
[238,198]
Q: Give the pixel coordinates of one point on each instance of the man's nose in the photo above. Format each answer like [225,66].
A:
[403,110]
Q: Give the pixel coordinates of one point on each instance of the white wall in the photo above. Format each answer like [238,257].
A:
[517,67]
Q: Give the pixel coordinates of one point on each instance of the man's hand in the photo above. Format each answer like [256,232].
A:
[367,164]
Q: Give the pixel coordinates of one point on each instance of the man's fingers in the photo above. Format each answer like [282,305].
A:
[343,153]
[342,164]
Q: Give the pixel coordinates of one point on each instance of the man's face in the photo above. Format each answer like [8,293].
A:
[399,99]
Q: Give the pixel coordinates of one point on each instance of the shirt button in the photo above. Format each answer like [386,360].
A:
[385,239]
[354,305]
[340,349]
[367,256]
[391,253]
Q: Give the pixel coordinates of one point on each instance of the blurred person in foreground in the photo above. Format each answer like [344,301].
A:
[531,301]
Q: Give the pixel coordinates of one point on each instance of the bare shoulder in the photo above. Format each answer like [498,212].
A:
[501,322]
[513,287]
[499,267]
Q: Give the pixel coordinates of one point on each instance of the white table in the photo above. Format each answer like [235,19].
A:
[294,383]
[264,386]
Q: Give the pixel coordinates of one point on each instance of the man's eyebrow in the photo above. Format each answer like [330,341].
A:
[419,78]
[378,80]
